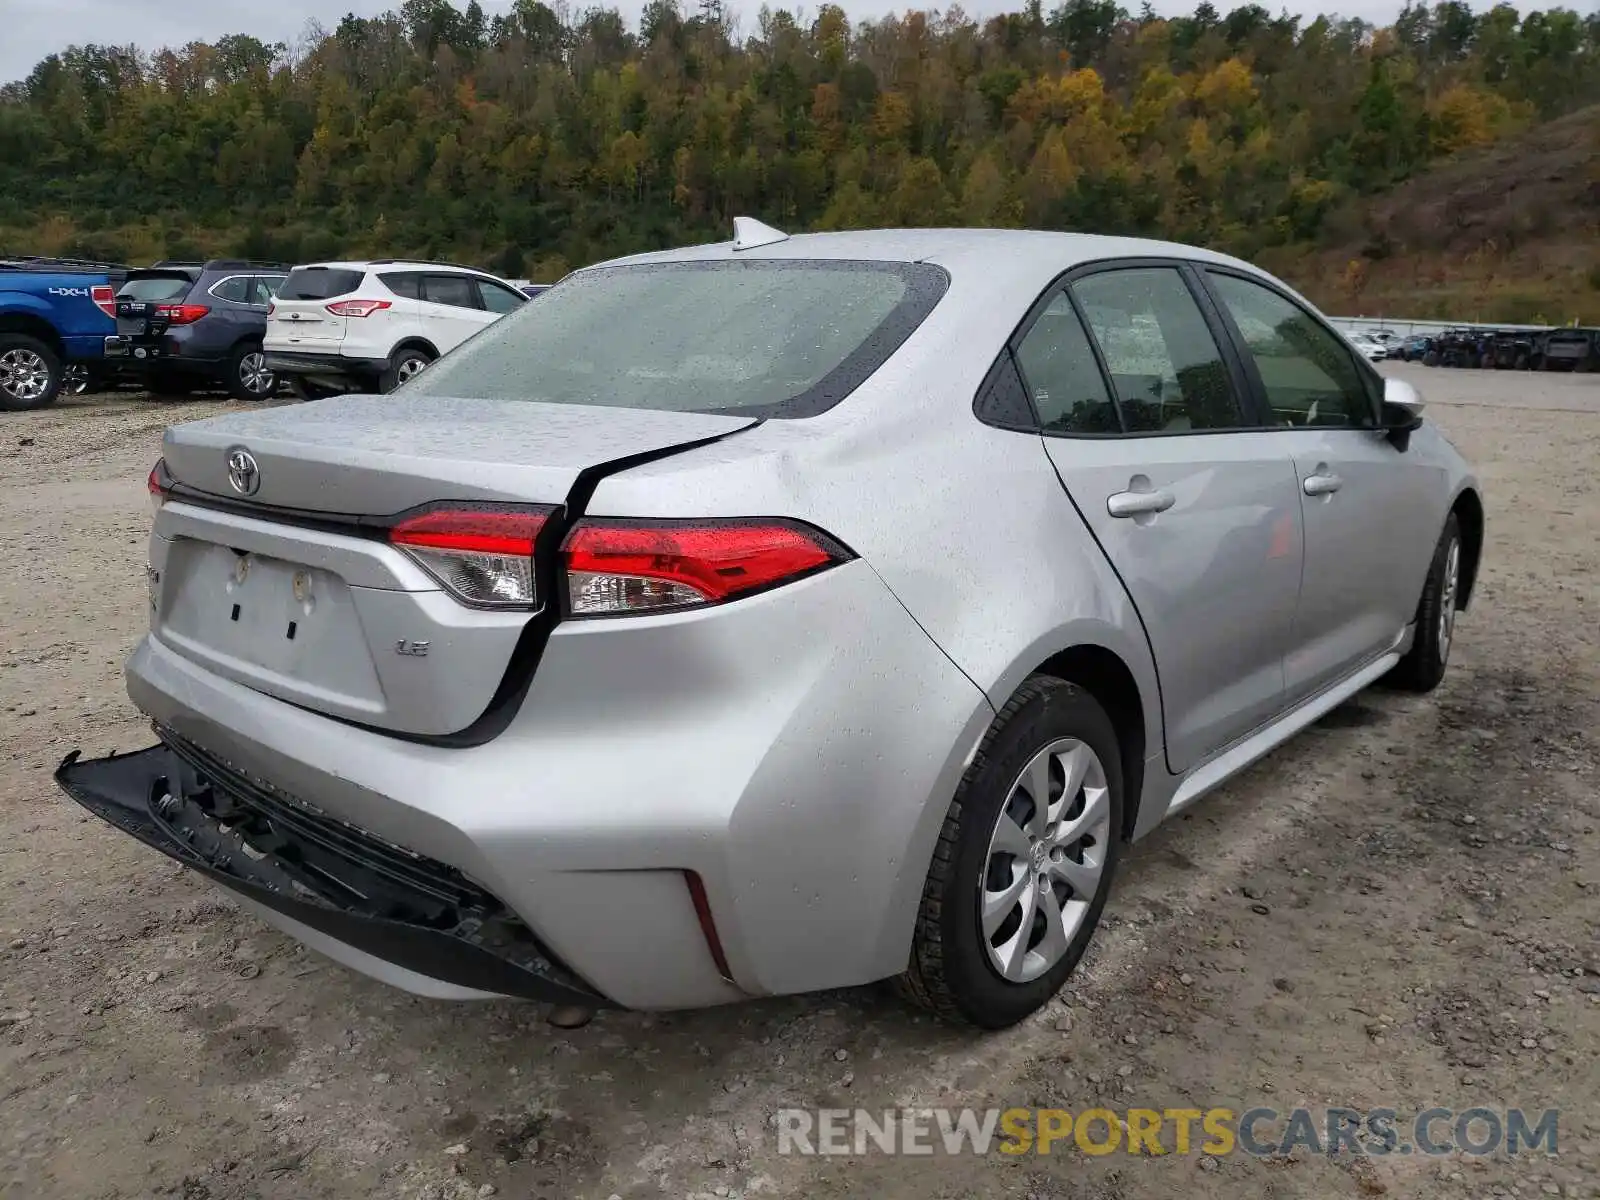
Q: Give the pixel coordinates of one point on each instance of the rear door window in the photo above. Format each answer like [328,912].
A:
[264,288]
[455,290]
[1166,369]
[319,283]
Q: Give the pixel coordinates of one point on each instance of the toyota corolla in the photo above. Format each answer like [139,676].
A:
[782,614]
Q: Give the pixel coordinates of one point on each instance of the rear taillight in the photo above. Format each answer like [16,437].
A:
[620,567]
[272,307]
[105,298]
[181,314]
[156,483]
[356,308]
[482,556]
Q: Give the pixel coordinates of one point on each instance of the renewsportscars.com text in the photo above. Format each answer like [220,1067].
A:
[1216,1131]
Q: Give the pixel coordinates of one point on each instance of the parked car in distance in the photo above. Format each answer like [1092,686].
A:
[528,288]
[183,325]
[1509,350]
[1412,349]
[1569,349]
[370,326]
[664,647]
[1371,348]
[55,317]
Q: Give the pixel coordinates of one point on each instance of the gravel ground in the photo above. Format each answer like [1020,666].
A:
[1401,908]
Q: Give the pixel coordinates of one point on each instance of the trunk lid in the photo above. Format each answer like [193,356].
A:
[142,293]
[304,325]
[326,615]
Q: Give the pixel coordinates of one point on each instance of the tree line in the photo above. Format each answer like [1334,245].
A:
[539,140]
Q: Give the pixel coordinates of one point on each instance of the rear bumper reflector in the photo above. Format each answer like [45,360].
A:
[401,907]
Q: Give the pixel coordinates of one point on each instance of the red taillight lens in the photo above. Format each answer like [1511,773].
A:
[356,308]
[482,556]
[181,314]
[272,307]
[156,483]
[105,298]
[617,567]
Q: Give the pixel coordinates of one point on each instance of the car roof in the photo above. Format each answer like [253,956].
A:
[388,264]
[956,249]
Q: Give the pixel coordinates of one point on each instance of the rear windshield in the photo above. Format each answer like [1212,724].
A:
[156,287]
[771,338]
[319,283]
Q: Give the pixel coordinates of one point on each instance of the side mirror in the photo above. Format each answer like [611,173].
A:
[1401,414]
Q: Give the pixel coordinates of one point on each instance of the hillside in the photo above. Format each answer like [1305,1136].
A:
[1506,233]
[538,141]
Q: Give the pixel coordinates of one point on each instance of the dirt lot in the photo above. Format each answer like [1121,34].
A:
[1401,908]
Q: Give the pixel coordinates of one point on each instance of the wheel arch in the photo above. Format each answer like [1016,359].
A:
[415,343]
[1106,676]
[33,326]
[1468,510]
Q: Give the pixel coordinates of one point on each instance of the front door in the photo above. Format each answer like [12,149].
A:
[1146,423]
[1366,507]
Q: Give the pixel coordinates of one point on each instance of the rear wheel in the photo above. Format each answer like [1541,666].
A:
[1024,861]
[248,375]
[403,365]
[30,373]
[1423,666]
[78,379]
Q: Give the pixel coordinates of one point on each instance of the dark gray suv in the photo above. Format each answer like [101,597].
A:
[186,325]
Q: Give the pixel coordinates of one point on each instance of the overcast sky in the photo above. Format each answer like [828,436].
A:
[35,28]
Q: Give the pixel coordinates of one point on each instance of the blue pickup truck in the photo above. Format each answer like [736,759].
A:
[55,317]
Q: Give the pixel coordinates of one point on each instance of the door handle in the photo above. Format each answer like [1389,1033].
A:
[1321,485]
[1135,504]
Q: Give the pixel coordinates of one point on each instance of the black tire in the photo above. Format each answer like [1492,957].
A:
[30,373]
[302,388]
[1424,664]
[403,363]
[950,972]
[245,368]
[80,379]
[161,382]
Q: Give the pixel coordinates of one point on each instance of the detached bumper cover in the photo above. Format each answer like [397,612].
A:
[397,906]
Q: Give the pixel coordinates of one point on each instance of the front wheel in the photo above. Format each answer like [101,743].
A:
[1423,666]
[30,373]
[1024,861]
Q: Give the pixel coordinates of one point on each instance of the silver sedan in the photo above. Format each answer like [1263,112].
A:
[782,614]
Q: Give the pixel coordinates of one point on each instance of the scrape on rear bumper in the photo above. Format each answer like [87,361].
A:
[401,907]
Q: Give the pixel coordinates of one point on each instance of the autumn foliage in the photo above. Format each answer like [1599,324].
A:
[532,142]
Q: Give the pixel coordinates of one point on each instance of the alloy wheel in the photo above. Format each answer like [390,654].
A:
[255,376]
[1447,596]
[1045,861]
[24,374]
[409,367]
[75,379]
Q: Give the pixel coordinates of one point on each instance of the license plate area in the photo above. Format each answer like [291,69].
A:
[284,627]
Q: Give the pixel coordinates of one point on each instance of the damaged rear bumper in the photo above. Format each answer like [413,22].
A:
[421,916]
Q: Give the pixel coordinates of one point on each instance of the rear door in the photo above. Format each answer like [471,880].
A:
[1149,427]
[1370,511]
[451,312]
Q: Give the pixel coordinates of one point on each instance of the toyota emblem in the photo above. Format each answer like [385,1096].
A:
[243,472]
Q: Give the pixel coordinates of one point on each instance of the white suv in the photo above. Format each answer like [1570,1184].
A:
[366,326]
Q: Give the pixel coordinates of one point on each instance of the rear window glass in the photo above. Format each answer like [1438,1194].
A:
[156,287]
[319,283]
[771,338]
